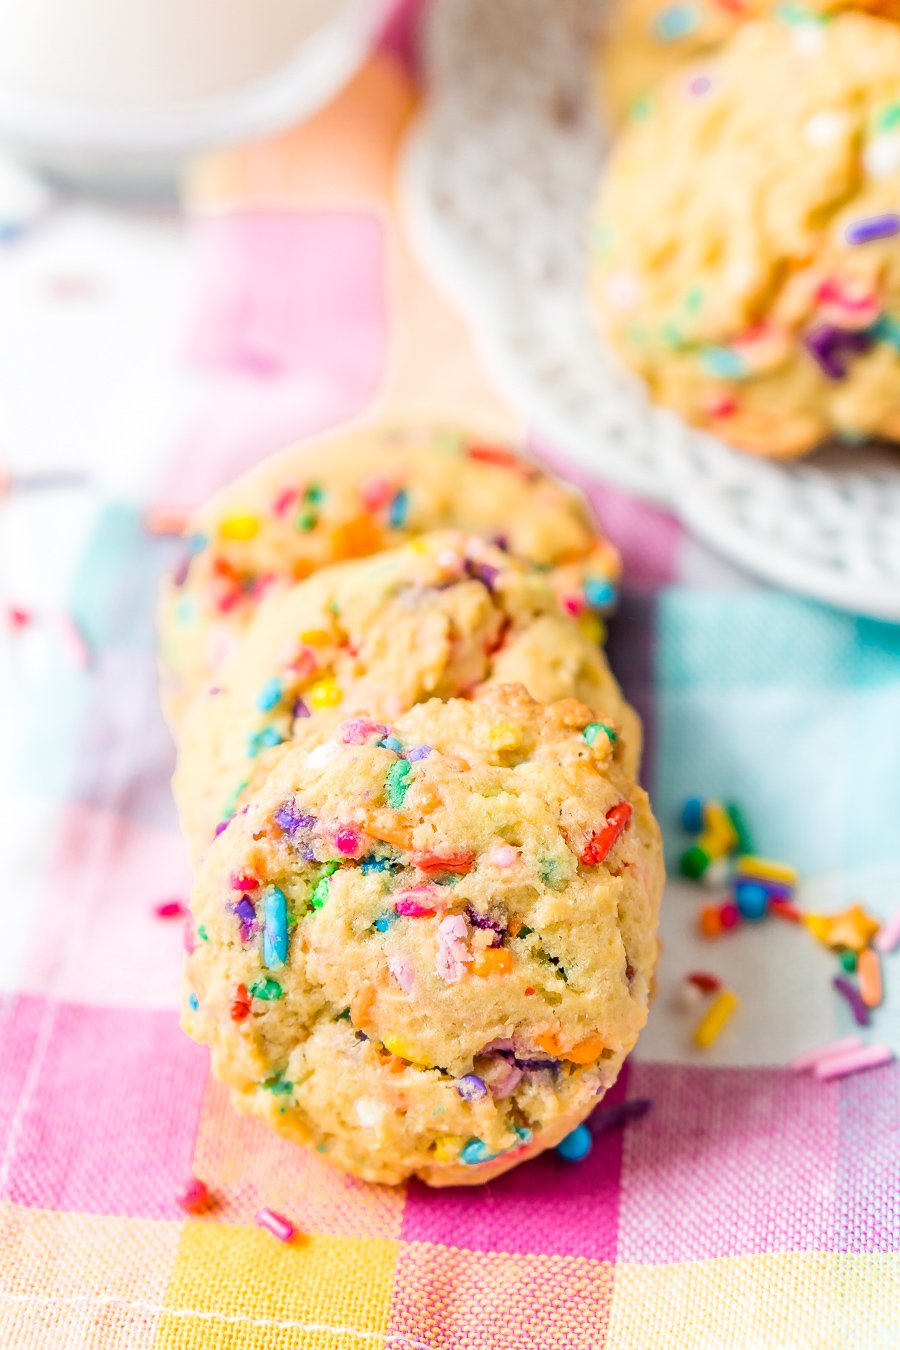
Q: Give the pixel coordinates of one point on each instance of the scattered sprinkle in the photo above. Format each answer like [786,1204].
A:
[399,510]
[712,1024]
[402,971]
[325,693]
[503,855]
[240,1007]
[888,939]
[724,363]
[165,520]
[840,1066]
[872,228]
[595,729]
[170,909]
[492,961]
[320,892]
[810,1058]
[397,784]
[452,953]
[17,617]
[611,1115]
[604,840]
[276,1224]
[476,1151]
[194,1197]
[418,902]
[275,930]
[868,970]
[850,992]
[675,21]
[268,991]
[599,592]
[73,640]
[270,695]
[471,1088]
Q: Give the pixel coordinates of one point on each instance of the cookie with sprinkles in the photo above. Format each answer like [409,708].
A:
[745,247]
[440,616]
[353,495]
[427,945]
[646,41]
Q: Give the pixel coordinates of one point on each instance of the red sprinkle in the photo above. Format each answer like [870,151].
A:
[709,984]
[785,910]
[170,909]
[729,914]
[450,862]
[496,454]
[604,840]
[240,1008]
[243,881]
[277,1224]
[194,1196]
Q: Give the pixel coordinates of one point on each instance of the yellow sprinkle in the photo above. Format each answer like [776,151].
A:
[239,527]
[504,736]
[448,1147]
[819,925]
[593,627]
[767,870]
[325,693]
[419,545]
[315,637]
[719,837]
[710,1027]
[397,1047]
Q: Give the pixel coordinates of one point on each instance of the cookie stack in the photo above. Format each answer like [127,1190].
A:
[427,883]
[745,244]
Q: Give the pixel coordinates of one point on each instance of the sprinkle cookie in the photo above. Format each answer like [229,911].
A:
[745,259]
[349,497]
[427,944]
[440,616]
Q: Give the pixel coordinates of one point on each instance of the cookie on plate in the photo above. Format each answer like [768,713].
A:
[437,617]
[427,944]
[353,495]
[645,41]
[745,246]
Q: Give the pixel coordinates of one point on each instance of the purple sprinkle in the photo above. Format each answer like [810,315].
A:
[829,346]
[307,853]
[875,227]
[483,572]
[291,820]
[471,1088]
[850,992]
[246,932]
[700,85]
[245,909]
[530,1065]
[618,1113]
[180,574]
[485,921]
[300,709]
[222,826]
[492,1047]
[420,752]
[501,541]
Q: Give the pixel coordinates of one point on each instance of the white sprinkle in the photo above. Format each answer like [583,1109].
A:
[881,156]
[888,939]
[322,754]
[825,128]
[809,38]
[77,650]
[623,291]
[369,1112]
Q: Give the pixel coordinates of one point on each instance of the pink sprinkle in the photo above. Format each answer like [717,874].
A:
[194,1196]
[169,909]
[412,903]
[361,729]
[17,617]
[453,956]
[190,942]
[285,500]
[888,939]
[729,914]
[375,492]
[165,520]
[502,1078]
[503,855]
[77,650]
[810,1058]
[243,881]
[841,1065]
[450,561]
[573,604]
[403,973]
[346,840]
[277,1224]
[303,662]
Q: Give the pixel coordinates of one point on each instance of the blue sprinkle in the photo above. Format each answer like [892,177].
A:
[275,933]
[261,740]
[373,864]
[384,921]
[599,593]
[476,1151]
[524,1133]
[724,363]
[577,1145]
[887,329]
[675,22]
[391,743]
[420,752]
[399,510]
[269,695]
[194,1004]
[692,815]
[245,909]
[752,899]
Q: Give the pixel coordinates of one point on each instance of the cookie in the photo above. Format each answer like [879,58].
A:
[351,496]
[745,248]
[646,41]
[437,617]
[427,944]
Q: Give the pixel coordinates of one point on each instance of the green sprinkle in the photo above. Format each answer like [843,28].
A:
[397,783]
[745,842]
[642,109]
[315,493]
[278,1086]
[186,611]
[202,933]
[888,118]
[887,329]
[267,990]
[320,892]
[672,335]
[694,862]
[595,729]
[307,520]
[693,301]
[329,869]
[848,962]
[343,1016]
[451,442]
[231,805]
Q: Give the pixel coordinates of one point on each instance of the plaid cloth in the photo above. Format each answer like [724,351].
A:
[750,1208]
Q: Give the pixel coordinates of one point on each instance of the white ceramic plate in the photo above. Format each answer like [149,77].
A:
[497,184]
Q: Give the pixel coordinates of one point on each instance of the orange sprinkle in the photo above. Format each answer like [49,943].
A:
[710,921]
[513,927]
[301,568]
[529,991]
[587,1051]
[396,1065]
[356,538]
[868,972]
[165,520]
[785,910]
[361,1006]
[548,1041]
[388,826]
[493,961]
